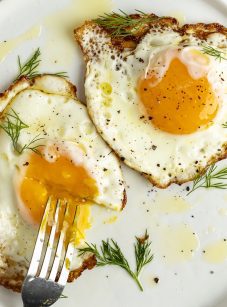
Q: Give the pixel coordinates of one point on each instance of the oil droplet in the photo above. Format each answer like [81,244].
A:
[166,203]
[225,197]
[211,229]
[223,211]
[61,47]
[9,45]
[106,88]
[216,252]
[110,220]
[177,243]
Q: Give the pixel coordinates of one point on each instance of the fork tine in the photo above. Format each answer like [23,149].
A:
[50,244]
[57,259]
[68,259]
[34,265]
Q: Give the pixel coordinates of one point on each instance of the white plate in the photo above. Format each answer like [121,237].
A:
[185,279]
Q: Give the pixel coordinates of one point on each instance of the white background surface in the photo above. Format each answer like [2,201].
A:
[185,284]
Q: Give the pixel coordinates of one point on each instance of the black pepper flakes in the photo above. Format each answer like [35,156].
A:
[156,280]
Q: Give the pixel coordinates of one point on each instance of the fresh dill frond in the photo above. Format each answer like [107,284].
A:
[142,252]
[60,74]
[13,126]
[110,254]
[218,54]
[213,178]
[122,25]
[31,145]
[224,125]
[29,68]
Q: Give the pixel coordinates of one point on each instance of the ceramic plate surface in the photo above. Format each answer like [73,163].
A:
[174,221]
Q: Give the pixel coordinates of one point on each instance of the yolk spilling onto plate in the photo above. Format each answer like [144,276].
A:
[63,180]
[178,104]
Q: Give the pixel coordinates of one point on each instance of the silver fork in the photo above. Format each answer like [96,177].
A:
[46,277]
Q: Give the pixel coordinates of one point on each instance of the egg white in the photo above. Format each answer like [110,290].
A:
[162,157]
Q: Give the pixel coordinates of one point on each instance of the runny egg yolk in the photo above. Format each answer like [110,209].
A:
[178,104]
[62,179]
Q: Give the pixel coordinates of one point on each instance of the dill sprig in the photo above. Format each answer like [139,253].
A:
[13,126]
[213,178]
[218,54]
[123,25]
[142,252]
[224,125]
[59,74]
[31,145]
[63,296]
[110,254]
[30,67]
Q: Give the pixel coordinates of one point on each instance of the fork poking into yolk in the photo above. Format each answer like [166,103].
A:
[63,179]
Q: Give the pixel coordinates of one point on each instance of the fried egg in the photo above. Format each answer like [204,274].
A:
[160,106]
[58,153]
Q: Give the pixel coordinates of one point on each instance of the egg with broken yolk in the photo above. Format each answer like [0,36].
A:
[178,103]
[66,159]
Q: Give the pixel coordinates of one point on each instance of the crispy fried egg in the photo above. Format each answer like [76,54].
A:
[66,159]
[161,106]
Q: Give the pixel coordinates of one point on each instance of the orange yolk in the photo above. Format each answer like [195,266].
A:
[178,104]
[63,180]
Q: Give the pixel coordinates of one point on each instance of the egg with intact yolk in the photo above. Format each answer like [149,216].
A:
[161,105]
[177,98]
